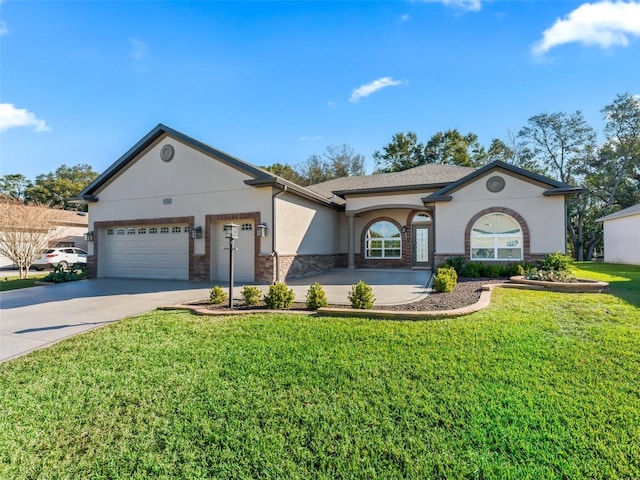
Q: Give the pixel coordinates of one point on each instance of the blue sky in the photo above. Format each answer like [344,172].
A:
[82,82]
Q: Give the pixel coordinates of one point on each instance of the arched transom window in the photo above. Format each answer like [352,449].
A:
[383,241]
[496,236]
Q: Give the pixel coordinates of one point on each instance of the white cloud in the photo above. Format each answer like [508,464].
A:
[369,88]
[601,23]
[138,49]
[11,117]
[3,28]
[404,18]
[311,139]
[470,5]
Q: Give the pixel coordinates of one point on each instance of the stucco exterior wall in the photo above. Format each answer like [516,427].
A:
[622,240]
[544,215]
[306,228]
[191,184]
[360,203]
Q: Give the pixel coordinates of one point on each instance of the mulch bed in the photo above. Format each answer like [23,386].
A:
[465,293]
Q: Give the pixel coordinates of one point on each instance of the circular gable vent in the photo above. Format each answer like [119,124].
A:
[495,184]
[166,154]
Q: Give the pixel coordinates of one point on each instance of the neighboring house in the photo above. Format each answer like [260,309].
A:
[70,229]
[622,236]
[159,212]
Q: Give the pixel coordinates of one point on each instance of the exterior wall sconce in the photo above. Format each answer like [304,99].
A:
[404,229]
[197,232]
[88,237]
[261,230]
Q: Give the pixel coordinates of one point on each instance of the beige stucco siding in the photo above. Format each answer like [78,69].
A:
[191,184]
[304,227]
[369,202]
[622,240]
[544,215]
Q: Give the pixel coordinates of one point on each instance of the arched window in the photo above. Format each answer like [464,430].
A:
[496,236]
[383,241]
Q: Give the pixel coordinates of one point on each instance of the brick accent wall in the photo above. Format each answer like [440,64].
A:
[296,266]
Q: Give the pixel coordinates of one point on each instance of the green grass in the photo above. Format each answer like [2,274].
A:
[14,283]
[539,385]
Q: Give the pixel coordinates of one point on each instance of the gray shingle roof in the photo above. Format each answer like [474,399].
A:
[425,176]
[633,210]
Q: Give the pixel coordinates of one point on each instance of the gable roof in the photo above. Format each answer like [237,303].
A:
[259,176]
[423,177]
[555,187]
[633,210]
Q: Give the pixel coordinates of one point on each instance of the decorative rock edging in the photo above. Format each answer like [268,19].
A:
[582,285]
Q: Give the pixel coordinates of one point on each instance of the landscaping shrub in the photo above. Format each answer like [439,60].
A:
[250,295]
[472,270]
[555,261]
[279,296]
[445,279]
[316,297]
[457,263]
[361,295]
[564,276]
[491,270]
[217,295]
[59,275]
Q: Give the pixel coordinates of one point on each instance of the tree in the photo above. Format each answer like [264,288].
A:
[335,162]
[560,143]
[14,185]
[453,148]
[402,153]
[285,171]
[25,231]
[55,188]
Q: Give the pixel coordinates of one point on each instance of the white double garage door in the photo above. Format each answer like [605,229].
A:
[162,252]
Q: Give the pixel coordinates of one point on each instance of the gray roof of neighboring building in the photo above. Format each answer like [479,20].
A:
[418,178]
[633,210]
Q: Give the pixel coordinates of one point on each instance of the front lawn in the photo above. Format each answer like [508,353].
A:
[14,283]
[539,385]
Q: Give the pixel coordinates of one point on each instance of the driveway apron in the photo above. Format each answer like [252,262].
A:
[36,317]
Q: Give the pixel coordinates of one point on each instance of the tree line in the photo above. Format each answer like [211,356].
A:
[560,145]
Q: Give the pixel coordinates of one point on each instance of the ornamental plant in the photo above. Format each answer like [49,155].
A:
[361,296]
[217,295]
[445,279]
[279,296]
[316,297]
[250,295]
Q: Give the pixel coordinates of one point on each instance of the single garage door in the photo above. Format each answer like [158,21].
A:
[145,251]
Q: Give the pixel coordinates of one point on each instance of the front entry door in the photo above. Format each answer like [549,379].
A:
[421,246]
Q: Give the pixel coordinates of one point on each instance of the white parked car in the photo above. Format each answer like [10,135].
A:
[60,257]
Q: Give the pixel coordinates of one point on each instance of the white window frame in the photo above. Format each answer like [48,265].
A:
[518,237]
[385,240]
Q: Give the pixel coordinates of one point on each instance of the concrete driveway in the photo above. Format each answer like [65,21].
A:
[37,317]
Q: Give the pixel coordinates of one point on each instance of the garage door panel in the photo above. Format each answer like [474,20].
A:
[158,252]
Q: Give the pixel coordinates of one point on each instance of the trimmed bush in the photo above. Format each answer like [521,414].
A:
[279,296]
[555,261]
[217,295]
[472,270]
[60,275]
[457,263]
[361,296]
[250,295]
[445,279]
[316,297]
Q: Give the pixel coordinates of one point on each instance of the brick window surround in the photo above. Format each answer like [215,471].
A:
[526,238]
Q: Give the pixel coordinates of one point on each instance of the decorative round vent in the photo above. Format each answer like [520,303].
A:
[495,184]
[166,154]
